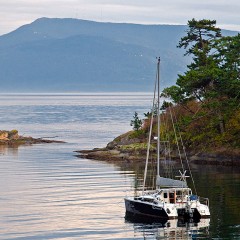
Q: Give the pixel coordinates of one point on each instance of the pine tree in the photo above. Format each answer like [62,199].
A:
[136,123]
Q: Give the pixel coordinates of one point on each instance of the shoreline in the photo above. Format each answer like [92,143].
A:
[125,149]
[11,139]
[106,155]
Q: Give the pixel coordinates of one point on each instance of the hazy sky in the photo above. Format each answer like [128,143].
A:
[14,13]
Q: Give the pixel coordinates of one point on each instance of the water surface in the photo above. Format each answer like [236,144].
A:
[48,193]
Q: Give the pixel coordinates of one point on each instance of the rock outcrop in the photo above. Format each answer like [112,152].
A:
[128,147]
[13,138]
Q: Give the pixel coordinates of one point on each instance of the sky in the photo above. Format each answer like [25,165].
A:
[15,13]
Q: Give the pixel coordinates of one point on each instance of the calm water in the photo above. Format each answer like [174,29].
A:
[48,193]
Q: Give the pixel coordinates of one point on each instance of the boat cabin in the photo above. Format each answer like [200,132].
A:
[174,195]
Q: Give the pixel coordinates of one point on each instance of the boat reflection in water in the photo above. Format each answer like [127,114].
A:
[170,229]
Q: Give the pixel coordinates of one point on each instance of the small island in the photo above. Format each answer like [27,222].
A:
[204,104]
[12,138]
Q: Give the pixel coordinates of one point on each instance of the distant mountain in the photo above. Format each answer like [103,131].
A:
[59,55]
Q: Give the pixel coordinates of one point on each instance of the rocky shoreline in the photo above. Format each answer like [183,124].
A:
[12,138]
[113,155]
[127,149]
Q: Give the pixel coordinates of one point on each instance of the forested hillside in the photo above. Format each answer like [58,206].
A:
[205,102]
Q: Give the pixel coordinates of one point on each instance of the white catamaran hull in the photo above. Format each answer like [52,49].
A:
[156,210]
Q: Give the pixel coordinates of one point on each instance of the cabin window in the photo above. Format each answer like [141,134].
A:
[179,193]
[171,195]
[165,195]
[185,192]
[150,200]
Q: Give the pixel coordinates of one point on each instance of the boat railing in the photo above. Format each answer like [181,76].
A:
[203,200]
[149,192]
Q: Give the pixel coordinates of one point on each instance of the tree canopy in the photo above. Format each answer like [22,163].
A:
[212,81]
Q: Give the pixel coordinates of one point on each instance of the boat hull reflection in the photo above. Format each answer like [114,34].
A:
[170,229]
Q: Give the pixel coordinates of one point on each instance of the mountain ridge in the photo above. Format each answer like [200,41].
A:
[62,55]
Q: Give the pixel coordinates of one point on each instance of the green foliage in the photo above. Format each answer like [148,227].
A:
[199,39]
[215,70]
[136,123]
[175,93]
[165,105]
[137,134]
[147,115]
[205,102]
[213,81]
[136,147]
[228,57]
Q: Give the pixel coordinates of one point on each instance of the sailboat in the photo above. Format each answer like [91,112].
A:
[171,198]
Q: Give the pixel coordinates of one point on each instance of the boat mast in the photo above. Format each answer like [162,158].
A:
[158,120]
[150,135]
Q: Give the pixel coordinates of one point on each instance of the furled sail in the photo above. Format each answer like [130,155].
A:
[168,182]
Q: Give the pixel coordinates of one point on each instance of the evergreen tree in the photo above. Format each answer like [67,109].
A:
[212,79]
[228,57]
[136,122]
[202,72]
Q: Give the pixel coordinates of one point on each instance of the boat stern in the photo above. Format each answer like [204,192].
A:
[203,210]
